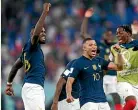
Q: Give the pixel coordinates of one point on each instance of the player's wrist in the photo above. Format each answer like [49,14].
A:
[9,83]
[55,102]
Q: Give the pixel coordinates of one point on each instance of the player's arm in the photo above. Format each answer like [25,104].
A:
[69,89]
[84,26]
[59,87]
[39,25]
[17,65]
[118,65]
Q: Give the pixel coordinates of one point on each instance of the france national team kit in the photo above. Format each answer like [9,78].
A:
[90,76]
[32,92]
[62,104]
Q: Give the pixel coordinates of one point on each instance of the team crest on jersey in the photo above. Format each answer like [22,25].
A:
[94,67]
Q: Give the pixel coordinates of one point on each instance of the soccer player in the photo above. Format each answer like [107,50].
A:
[59,101]
[88,69]
[32,59]
[109,80]
[127,86]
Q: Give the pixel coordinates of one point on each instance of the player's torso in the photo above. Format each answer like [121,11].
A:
[91,81]
[130,68]
[33,60]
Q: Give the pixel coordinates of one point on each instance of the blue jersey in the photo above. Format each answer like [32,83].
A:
[75,86]
[90,76]
[33,59]
[104,53]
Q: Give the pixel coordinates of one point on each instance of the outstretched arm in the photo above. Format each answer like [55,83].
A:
[84,26]
[17,65]
[69,89]
[59,87]
[39,25]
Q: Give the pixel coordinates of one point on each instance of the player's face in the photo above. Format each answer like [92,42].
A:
[91,48]
[108,36]
[42,36]
[121,35]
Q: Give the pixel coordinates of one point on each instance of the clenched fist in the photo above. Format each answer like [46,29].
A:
[46,7]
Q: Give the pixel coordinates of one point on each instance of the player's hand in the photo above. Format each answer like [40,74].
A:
[54,106]
[46,7]
[89,12]
[69,99]
[9,90]
[117,48]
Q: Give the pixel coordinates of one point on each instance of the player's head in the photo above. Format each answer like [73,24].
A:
[108,37]
[124,33]
[89,47]
[42,35]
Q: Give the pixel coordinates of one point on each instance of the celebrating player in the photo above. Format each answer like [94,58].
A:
[127,86]
[32,59]
[59,101]
[88,69]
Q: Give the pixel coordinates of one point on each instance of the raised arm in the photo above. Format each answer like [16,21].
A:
[84,26]
[17,65]
[69,89]
[39,25]
[59,87]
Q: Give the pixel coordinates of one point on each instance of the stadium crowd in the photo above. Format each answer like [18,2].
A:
[63,34]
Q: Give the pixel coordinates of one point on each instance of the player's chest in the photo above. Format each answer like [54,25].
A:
[91,68]
[34,55]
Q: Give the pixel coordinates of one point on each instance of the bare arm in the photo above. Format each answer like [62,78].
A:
[17,65]
[59,86]
[84,25]
[40,23]
[119,64]
[69,89]
[84,28]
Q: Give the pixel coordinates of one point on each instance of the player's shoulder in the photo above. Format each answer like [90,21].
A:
[99,58]
[70,63]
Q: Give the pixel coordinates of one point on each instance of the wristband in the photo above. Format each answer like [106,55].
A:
[9,83]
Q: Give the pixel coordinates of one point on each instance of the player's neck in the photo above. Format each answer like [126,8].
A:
[87,56]
[130,39]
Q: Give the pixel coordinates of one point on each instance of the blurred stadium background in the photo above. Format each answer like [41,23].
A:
[63,35]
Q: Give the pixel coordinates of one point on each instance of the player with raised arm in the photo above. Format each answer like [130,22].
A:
[88,69]
[127,86]
[32,59]
[59,101]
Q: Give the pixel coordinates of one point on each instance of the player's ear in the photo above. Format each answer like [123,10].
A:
[32,32]
[84,47]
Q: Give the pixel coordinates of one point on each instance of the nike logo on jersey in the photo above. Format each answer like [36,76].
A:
[86,67]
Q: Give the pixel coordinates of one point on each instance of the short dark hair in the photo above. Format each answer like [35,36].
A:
[86,39]
[126,28]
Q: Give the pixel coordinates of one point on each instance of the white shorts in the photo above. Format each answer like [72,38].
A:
[109,84]
[33,97]
[63,105]
[125,89]
[95,106]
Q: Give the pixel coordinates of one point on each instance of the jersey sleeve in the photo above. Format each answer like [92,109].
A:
[76,68]
[104,64]
[67,70]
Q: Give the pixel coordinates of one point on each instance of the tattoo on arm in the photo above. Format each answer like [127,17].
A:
[17,65]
